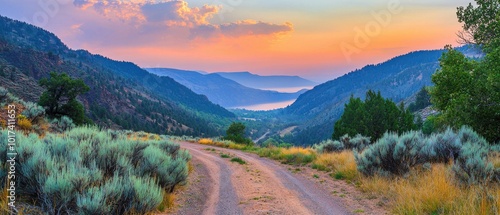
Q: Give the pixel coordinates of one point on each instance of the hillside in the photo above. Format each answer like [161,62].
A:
[267,82]
[223,91]
[397,79]
[122,95]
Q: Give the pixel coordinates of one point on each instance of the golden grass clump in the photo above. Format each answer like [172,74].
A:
[24,124]
[206,141]
[342,164]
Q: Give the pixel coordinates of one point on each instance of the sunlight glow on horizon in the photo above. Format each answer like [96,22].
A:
[269,38]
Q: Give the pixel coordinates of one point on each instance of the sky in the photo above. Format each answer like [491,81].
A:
[316,39]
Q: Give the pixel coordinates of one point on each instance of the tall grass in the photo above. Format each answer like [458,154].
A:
[342,164]
[433,191]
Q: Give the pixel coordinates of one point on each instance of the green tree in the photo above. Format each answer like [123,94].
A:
[59,99]
[422,100]
[373,117]
[466,91]
[481,23]
[236,133]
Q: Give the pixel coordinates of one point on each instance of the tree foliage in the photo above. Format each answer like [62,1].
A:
[59,99]
[481,23]
[422,100]
[466,91]
[236,133]
[373,117]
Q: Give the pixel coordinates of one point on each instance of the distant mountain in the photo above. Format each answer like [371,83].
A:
[223,91]
[122,95]
[267,82]
[397,79]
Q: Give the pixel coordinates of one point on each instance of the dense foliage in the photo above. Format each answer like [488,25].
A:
[59,99]
[422,100]
[236,133]
[373,117]
[467,91]
[92,171]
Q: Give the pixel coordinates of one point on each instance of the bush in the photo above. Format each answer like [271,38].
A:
[471,165]
[24,124]
[328,146]
[391,154]
[396,155]
[3,94]
[359,142]
[62,124]
[89,171]
[32,111]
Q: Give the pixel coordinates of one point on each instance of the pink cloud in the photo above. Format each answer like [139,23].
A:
[168,15]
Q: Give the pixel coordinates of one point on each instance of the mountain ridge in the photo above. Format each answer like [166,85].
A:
[122,95]
[267,82]
[223,91]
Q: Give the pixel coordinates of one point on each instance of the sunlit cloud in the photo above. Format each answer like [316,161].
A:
[167,15]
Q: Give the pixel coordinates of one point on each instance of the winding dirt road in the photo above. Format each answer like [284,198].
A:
[261,186]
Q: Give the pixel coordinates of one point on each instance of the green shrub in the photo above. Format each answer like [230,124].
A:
[62,124]
[395,155]
[238,160]
[359,142]
[90,171]
[391,154]
[33,111]
[328,146]
[3,94]
[471,166]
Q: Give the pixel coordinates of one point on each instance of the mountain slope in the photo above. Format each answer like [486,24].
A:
[267,82]
[397,79]
[122,95]
[223,91]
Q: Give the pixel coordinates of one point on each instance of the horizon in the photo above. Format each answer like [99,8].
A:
[206,35]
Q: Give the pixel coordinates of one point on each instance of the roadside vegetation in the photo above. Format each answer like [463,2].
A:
[453,172]
[64,169]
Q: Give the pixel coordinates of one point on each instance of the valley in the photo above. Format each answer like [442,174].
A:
[251,107]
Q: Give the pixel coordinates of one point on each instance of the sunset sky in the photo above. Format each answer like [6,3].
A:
[317,39]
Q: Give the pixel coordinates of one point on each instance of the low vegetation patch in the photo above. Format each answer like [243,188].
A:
[238,160]
[91,171]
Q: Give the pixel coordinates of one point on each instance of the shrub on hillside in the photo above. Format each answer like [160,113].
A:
[62,124]
[328,146]
[33,111]
[88,171]
[391,154]
[472,166]
[396,155]
[3,94]
[359,142]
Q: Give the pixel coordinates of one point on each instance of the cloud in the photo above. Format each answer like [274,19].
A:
[251,27]
[168,15]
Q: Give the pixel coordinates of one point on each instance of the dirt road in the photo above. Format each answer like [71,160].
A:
[261,186]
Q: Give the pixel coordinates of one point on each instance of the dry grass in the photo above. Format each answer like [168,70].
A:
[24,124]
[206,141]
[433,192]
[342,164]
[4,208]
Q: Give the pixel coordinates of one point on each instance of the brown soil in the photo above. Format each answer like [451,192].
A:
[263,186]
